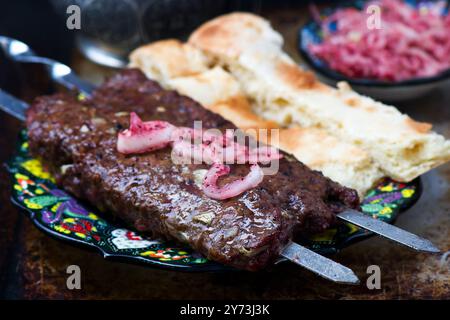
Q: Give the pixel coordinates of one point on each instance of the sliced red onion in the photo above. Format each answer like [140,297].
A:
[264,154]
[197,146]
[188,145]
[232,189]
[144,136]
[184,152]
[412,42]
[196,136]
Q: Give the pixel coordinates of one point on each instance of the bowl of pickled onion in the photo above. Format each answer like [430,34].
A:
[391,50]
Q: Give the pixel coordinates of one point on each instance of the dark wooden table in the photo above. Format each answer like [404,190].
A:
[33,265]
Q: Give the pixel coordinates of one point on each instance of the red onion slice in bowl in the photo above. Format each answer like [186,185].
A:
[411,42]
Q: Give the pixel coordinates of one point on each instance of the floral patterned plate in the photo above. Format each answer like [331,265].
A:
[64,217]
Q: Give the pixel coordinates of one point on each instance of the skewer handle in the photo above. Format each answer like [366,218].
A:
[13,106]
[59,72]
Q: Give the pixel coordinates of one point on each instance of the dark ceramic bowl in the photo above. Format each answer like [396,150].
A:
[378,89]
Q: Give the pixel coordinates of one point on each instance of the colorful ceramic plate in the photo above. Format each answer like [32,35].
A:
[64,217]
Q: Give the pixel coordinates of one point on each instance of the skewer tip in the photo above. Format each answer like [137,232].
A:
[319,264]
[351,278]
[428,246]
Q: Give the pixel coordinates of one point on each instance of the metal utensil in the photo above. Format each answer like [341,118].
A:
[300,255]
[388,231]
[64,75]
[59,72]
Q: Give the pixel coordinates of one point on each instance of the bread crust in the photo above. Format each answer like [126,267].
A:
[167,59]
[217,90]
[285,93]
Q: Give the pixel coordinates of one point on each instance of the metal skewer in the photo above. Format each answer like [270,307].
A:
[64,75]
[60,73]
[13,106]
[294,252]
[388,231]
[300,255]
[320,265]
[17,109]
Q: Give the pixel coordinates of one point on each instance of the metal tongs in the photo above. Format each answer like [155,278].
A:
[324,267]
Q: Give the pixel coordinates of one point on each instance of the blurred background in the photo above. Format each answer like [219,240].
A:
[114,27]
[110,29]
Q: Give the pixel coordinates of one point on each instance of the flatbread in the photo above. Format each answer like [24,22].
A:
[283,92]
[220,92]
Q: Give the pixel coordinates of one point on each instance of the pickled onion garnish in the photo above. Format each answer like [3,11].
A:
[263,154]
[218,148]
[144,136]
[196,146]
[232,189]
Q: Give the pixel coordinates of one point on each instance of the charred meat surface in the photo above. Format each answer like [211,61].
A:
[77,141]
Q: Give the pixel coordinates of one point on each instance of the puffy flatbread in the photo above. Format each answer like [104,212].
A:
[283,92]
[220,92]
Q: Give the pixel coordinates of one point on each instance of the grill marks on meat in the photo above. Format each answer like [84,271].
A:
[153,195]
